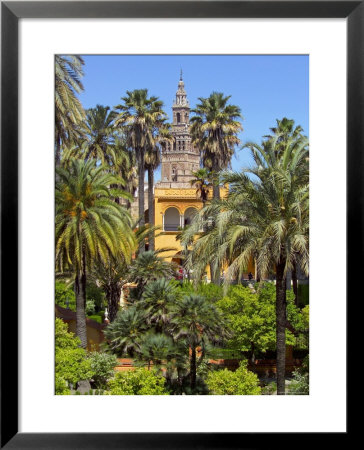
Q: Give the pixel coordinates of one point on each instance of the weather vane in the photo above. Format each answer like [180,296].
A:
[180,78]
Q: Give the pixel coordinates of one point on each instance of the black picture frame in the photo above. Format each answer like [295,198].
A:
[11,12]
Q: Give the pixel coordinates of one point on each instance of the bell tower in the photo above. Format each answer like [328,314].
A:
[180,158]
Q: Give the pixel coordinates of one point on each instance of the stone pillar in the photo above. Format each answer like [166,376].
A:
[162,222]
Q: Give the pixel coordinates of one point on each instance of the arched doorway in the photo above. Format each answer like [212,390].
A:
[171,219]
[189,215]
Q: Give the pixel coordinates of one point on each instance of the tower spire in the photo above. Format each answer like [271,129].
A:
[180,77]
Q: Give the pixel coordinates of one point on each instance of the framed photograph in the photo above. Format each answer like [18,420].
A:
[284,72]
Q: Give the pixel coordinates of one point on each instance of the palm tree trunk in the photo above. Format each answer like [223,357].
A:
[141,171]
[295,283]
[215,187]
[281,326]
[212,277]
[113,300]
[80,293]
[151,242]
[193,368]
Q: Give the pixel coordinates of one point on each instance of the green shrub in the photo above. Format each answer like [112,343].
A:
[71,364]
[102,365]
[269,389]
[90,307]
[240,382]
[212,292]
[137,382]
[65,296]
[252,318]
[300,384]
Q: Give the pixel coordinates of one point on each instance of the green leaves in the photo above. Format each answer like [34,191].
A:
[214,129]
[87,217]
[240,382]
[252,318]
[137,382]
[71,364]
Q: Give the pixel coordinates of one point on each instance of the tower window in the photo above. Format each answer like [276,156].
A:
[178,117]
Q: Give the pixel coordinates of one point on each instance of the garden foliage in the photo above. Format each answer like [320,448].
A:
[240,382]
[71,364]
[137,382]
[252,317]
[102,366]
[65,296]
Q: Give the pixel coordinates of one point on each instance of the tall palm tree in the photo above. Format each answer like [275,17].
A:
[138,114]
[276,150]
[265,217]
[214,131]
[100,134]
[69,112]
[90,226]
[202,180]
[198,322]
[114,274]
[161,135]
[123,164]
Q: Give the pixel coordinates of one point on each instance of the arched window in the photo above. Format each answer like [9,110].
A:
[189,215]
[178,117]
[171,219]
[174,173]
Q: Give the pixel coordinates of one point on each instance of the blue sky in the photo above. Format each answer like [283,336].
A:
[265,87]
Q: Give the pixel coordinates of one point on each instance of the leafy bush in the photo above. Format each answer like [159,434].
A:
[212,292]
[102,365]
[65,296]
[253,320]
[90,307]
[240,382]
[71,364]
[300,384]
[269,389]
[137,382]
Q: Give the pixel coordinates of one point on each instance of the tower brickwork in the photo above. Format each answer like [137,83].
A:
[180,158]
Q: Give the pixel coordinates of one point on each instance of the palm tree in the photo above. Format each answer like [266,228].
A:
[69,112]
[157,299]
[276,149]
[139,113]
[114,274]
[149,266]
[282,133]
[123,164]
[214,131]
[161,135]
[267,218]
[198,322]
[90,226]
[123,335]
[100,134]
[201,180]
[158,349]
